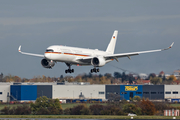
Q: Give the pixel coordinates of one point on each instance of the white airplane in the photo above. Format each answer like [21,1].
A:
[82,56]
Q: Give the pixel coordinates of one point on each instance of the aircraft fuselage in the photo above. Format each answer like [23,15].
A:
[72,54]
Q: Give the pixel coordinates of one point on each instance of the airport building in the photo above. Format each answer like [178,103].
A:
[29,92]
[78,91]
[154,92]
[4,91]
[85,91]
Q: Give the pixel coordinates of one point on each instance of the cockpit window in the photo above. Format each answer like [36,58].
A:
[49,50]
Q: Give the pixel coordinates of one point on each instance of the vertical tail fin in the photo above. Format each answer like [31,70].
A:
[111,46]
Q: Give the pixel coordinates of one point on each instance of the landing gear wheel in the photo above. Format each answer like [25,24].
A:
[94,70]
[69,70]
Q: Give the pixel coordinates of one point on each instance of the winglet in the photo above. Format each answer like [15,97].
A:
[169,47]
[19,48]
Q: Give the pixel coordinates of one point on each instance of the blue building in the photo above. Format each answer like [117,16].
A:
[123,92]
[129,91]
[30,92]
[24,92]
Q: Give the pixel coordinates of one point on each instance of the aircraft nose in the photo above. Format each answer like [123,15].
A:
[47,55]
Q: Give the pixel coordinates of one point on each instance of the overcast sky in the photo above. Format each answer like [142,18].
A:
[37,24]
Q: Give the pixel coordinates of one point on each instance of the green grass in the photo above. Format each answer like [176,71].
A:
[175,105]
[86,116]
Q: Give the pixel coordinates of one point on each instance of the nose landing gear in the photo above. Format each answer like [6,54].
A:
[94,70]
[69,70]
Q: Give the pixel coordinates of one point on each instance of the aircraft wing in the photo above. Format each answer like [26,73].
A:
[115,56]
[37,55]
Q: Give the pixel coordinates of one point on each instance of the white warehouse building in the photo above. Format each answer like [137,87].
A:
[78,91]
[4,91]
[172,91]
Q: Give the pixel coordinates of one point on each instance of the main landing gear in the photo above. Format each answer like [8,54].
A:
[94,70]
[69,70]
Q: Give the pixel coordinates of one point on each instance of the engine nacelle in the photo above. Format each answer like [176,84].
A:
[47,63]
[98,61]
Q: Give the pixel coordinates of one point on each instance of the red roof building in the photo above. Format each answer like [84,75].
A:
[162,73]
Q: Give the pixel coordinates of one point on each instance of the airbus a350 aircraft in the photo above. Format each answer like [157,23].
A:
[81,56]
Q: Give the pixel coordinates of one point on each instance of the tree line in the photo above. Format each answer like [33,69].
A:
[47,106]
[107,78]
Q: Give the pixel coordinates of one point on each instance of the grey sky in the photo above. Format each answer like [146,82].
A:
[37,24]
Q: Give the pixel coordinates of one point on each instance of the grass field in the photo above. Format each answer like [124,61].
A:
[175,105]
[86,116]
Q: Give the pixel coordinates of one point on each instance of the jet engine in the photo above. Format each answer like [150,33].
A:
[47,63]
[98,61]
